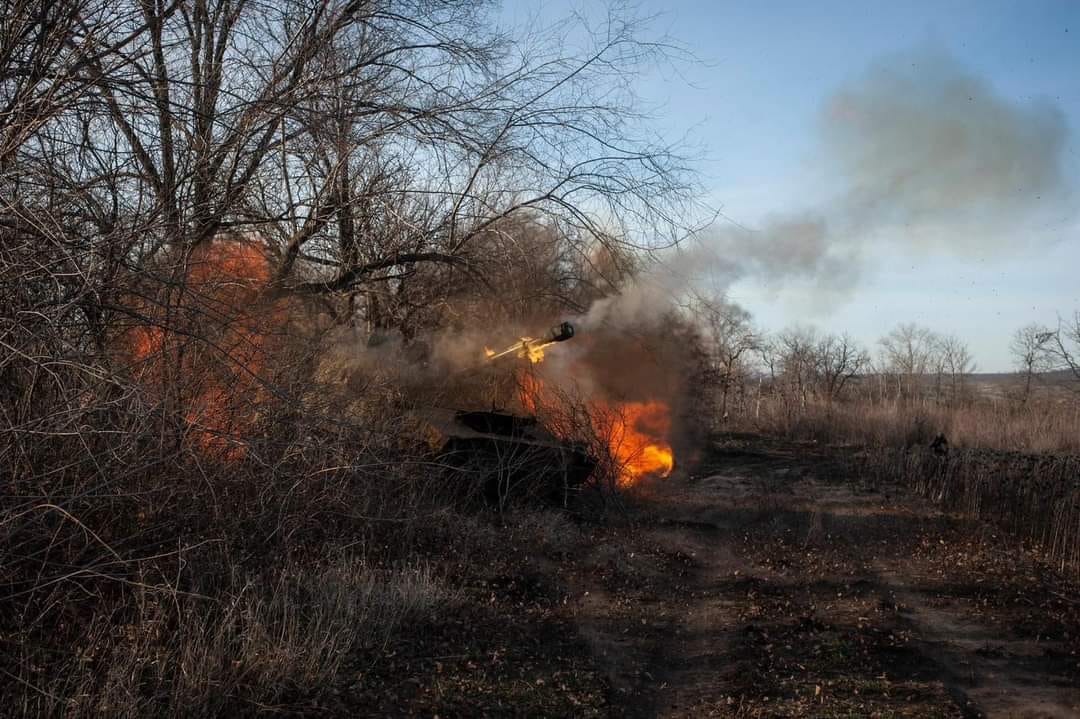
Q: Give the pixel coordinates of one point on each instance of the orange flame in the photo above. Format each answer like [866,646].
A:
[634,433]
[216,381]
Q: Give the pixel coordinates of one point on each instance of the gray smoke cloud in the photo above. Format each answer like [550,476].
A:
[798,248]
[923,156]
[926,145]
[927,157]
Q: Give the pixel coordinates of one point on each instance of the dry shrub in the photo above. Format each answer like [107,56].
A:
[143,574]
[576,421]
[167,510]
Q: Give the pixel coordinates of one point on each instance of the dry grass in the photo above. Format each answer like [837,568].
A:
[1015,465]
[552,530]
[1037,427]
[1034,497]
[271,640]
[140,576]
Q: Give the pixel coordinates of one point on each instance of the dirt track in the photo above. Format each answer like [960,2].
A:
[764,585]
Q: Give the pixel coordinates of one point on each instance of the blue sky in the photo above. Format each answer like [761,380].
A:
[755,106]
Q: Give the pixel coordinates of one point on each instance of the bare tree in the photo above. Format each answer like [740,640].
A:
[1061,347]
[908,353]
[361,140]
[799,362]
[477,132]
[730,340]
[382,153]
[839,359]
[955,360]
[1029,347]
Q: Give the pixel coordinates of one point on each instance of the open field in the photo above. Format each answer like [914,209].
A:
[1047,425]
[765,583]
[770,584]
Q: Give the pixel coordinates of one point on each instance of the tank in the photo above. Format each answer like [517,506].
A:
[506,456]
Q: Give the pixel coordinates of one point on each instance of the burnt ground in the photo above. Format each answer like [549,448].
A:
[760,584]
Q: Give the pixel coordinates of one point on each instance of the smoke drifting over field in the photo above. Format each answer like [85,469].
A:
[926,145]
[923,156]
[927,157]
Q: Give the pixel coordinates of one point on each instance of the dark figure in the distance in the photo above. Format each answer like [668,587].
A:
[940,446]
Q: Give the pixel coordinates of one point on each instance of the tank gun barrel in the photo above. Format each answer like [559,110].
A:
[533,348]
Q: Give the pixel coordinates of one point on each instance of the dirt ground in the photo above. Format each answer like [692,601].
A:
[761,583]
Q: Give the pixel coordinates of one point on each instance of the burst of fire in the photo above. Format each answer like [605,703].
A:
[216,384]
[532,348]
[528,348]
[634,433]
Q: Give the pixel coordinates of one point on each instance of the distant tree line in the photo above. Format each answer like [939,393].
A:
[801,365]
